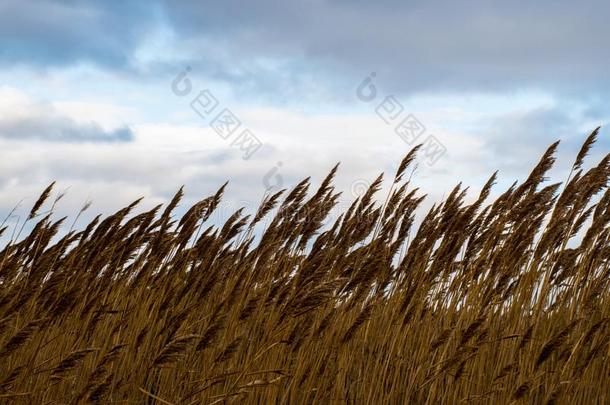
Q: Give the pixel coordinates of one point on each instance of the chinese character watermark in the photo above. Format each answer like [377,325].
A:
[406,126]
[225,123]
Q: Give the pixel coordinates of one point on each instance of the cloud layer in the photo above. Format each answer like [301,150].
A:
[48,34]
[413,45]
[26,119]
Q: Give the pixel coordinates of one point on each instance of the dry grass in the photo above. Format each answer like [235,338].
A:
[483,303]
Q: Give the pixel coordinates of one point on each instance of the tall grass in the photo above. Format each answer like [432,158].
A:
[495,302]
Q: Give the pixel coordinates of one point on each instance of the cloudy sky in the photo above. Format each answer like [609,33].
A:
[118,100]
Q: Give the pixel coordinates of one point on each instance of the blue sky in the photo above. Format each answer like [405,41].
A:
[86,93]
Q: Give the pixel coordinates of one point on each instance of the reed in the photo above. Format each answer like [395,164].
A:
[502,301]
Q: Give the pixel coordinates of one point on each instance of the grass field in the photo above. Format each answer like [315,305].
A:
[491,302]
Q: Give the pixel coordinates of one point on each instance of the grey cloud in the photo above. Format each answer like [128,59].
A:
[417,45]
[44,123]
[48,33]
[412,45]
[515,138]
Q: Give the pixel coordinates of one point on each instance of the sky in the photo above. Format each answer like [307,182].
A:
[117,100]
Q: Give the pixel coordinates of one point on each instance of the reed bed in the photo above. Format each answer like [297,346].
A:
[504,301]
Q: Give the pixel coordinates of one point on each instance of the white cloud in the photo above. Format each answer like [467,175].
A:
[164,155]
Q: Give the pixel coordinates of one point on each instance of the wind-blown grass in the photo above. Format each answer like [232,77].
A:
[482,303]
